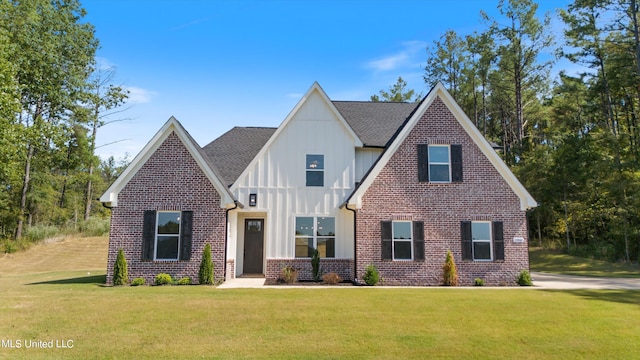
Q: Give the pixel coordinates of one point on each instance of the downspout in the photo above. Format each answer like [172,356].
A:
[226,237]
[355,244]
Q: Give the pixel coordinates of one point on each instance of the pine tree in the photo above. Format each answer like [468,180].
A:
[205,275]
[449,270]
[120,272]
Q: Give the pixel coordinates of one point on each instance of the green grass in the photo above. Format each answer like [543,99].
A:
[54,301]
[553,261]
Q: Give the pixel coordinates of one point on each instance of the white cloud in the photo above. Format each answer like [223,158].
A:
[104,63]
[403,58]
[139,95]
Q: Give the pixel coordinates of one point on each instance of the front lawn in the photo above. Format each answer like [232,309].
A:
[205,322]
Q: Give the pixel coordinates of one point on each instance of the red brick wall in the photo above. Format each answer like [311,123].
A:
[169,180]
[483,195]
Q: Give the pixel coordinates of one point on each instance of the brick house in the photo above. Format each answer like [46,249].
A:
[390,184]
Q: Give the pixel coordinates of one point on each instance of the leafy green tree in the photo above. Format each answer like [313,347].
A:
[397,93]
[120,272]
[52,51]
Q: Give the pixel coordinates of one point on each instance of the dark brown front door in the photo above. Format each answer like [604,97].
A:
[253,245]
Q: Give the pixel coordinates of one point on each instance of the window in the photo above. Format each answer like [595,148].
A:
[439,170]
[315,233]
[402,240]
[482,240]
[440,163]
[315,170]
[167,235]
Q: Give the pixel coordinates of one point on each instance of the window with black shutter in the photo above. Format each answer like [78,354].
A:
[167,235]
[418,240]
[482,240]
[440,163]
[402,240]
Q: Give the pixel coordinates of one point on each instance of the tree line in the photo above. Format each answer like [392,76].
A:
[573,138]
[53,99]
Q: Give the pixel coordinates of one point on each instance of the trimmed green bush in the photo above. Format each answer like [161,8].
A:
[315,265]
[120,272]
[163,279]
[138,281]
[450,271]
[184,281]
[371,275]
[205,275]
[524,279]
[478,282]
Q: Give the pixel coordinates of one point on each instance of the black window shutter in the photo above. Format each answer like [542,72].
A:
[148,235]
[465,230]
[456,163]
[418,240]
[423,162]
[498,240]
[186,219]
[385,227]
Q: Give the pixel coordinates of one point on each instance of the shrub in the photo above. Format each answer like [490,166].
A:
[163,279]
[331,278]
[289,275]
[315,265]
[449,271]
[524,279]
[41,232]
[371,275]
[184,281]
[205,275]
[120,273]
[478,282]
[138,281]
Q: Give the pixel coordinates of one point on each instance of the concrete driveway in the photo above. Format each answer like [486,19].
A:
[568,282]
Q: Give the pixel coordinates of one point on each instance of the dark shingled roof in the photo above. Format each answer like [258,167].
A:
[375,122]
[232,152]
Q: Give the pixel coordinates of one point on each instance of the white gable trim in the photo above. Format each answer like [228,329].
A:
[110,197]
[526,200]
[314,88]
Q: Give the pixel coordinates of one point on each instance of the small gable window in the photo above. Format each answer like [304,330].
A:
[167,235]
[439,163]
[315,233]
[482,240]
[315,170]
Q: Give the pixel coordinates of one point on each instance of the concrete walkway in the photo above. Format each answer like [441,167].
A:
[568,282]
[540,281]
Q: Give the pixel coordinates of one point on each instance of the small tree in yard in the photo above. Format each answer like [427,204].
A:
[315,265]
[205,275]
[120,272]
[449,271]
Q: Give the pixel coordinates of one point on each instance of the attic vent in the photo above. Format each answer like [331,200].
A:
[402,217]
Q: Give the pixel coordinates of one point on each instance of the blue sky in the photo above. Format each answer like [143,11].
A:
[218,64]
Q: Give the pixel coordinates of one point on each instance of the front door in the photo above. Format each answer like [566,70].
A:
[253,245]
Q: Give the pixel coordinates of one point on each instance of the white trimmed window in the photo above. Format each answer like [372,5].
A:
[402,240]
[167,239]
[315,232]
[439,163]
[481,240]
[315,170]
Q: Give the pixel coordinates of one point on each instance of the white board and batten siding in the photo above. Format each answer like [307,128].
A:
[365,158]
[278,177]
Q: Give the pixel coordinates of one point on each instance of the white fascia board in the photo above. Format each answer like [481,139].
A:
[171,126]
[290,116]
[526,200]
